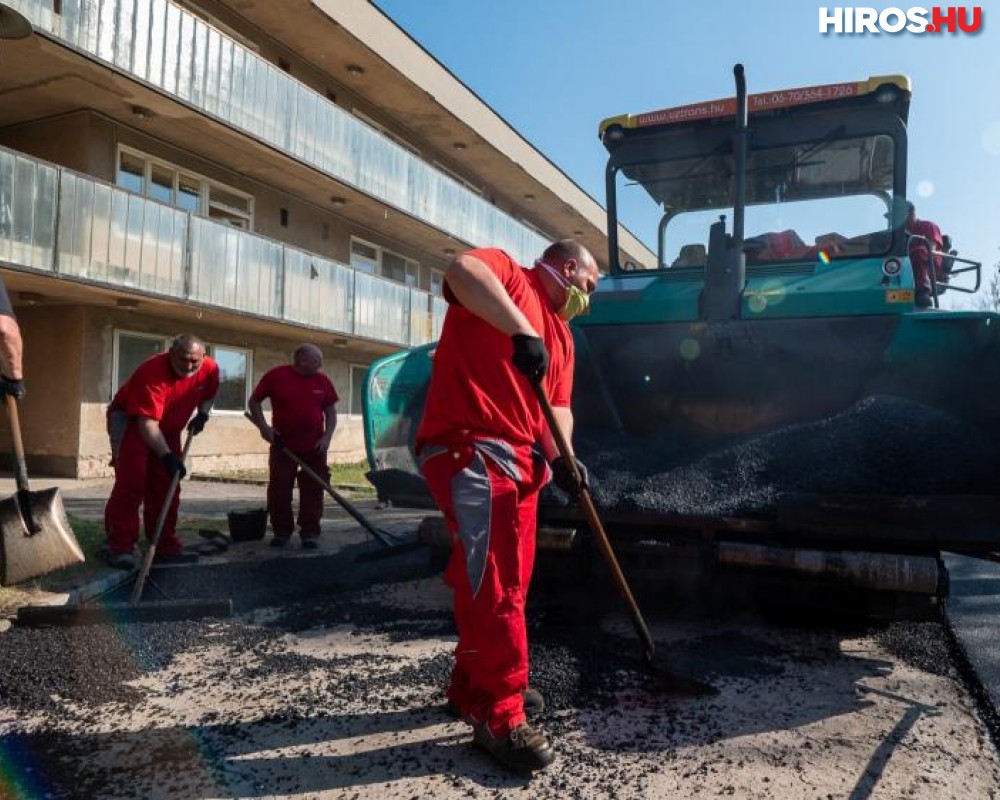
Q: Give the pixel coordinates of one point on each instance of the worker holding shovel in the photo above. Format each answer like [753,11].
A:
[145,420]
[11,347]
[304,417]
[505,332]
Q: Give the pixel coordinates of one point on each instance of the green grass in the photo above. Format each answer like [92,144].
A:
[341,475]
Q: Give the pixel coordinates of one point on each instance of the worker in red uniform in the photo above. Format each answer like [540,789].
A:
[925,236]
[485,451]
[145,420]
[304,417]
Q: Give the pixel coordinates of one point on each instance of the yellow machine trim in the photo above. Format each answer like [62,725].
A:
[765,101]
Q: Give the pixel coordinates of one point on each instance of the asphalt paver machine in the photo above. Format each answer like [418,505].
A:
[755,385]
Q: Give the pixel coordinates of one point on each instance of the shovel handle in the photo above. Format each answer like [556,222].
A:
[20,470]
[147,558]
[380,536]
[596,527]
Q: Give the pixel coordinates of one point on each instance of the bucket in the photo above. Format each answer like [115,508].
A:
[247,526]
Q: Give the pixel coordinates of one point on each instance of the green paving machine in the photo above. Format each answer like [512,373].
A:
[756,387]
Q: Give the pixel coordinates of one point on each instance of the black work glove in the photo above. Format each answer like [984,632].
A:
[562,476]
[277,441]
[174,465]
[197,423]
[13,387]
[530,356]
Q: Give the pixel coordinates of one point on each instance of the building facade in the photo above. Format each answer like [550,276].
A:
[258,173]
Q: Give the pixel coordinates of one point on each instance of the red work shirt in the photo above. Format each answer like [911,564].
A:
[157,392]
[298,404]
[931,232]
[475,390]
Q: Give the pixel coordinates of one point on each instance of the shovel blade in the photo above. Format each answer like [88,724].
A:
[39,544]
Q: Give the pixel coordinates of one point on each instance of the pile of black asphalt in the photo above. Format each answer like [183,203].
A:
[882,445]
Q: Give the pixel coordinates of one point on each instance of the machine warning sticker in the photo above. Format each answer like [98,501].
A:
[899,296]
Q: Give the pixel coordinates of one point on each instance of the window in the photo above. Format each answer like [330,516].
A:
[235,365]
[375,260]
[358,372]
[131,349]
[167,183]
[234,370]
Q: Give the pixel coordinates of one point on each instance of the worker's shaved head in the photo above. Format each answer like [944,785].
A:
[307,359]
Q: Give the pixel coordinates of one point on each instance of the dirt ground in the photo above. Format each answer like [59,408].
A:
[340,700]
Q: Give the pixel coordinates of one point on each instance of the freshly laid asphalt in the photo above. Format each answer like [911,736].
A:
[972,609]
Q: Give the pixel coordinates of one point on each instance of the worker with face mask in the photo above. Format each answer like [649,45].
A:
[485,450]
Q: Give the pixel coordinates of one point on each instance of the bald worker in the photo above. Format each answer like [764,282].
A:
[303,417]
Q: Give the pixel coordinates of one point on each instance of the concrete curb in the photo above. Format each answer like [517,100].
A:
[89,590]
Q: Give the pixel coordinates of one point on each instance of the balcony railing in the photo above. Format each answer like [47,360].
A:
[160,43]
[114,238]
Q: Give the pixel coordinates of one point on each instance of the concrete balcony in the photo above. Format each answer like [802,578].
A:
[56,221]
[179,55]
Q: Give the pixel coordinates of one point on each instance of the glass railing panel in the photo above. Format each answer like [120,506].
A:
[234,269]
[381,309]
[439,307]
[27,211]
[317,291]
[421,320]
[113,237]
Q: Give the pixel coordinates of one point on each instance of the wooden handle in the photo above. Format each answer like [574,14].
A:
[344,504]
[147,559]
[596,527]
[20,470]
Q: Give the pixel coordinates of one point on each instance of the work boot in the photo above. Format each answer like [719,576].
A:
[534,705]
[923,298]
[310,544]
[279,541]
[523,749]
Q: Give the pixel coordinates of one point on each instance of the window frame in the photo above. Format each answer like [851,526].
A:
[379,265]
[351,366]
[205,202]
[210,347]
[116,352]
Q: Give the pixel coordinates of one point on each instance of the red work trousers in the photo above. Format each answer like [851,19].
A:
[281,482]
[492,516]
[141,480]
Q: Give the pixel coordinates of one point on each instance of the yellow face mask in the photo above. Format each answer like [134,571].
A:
[577,301]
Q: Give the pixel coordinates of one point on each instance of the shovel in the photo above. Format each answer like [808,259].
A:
[389,541]
[670,682]
[147,558]
[37,537]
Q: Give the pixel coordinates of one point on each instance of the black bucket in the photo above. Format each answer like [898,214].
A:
[247,526]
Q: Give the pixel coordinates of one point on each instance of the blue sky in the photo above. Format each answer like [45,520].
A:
[555,68]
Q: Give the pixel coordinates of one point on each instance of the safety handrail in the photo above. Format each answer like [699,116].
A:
[975,266]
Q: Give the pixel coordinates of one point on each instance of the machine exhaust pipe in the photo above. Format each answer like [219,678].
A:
[887,572]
